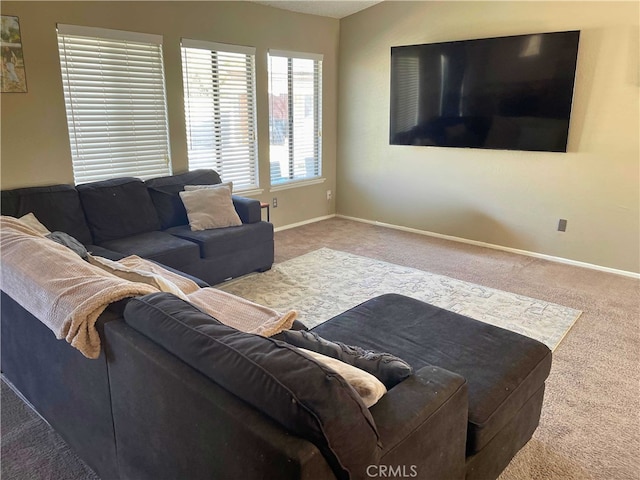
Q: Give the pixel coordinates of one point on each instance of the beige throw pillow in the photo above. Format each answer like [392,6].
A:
[135,275]
[229,185]
[368,387]
[31,221]
[210,208]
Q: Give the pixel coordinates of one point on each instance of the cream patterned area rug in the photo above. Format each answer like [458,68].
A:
[325,283]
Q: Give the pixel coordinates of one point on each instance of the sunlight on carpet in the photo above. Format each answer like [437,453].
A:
[325,283]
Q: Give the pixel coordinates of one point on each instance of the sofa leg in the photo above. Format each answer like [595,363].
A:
[264,269]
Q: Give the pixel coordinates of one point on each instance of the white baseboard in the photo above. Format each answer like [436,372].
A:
[305,222]
[496,247]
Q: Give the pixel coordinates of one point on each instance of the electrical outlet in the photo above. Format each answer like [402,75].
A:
[562,225]
[329,194]
[275,202]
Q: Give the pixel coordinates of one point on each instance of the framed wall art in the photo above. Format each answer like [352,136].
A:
[13,76]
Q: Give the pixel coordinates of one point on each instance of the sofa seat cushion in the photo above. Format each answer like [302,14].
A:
[503,369]
[305,397]
[57,207]
[165,194]
[223,241]
[118,208]
[158,246]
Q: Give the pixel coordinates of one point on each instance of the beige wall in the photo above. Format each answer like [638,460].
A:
[512,199]
[35,143]
[507,198]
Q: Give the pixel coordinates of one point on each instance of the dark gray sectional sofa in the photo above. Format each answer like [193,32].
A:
[175,394]
[126,216]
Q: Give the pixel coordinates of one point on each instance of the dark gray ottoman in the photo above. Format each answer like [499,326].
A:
[505,371]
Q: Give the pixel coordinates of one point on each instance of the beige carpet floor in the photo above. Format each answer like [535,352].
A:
[590,424]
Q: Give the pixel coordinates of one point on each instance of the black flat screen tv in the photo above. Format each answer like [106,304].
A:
[508,93]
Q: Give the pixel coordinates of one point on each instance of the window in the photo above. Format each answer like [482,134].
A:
[116,103]
[295,116]
[219,105]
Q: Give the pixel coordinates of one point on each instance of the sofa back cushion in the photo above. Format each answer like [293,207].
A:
[118,208]
[305,397]
[57,207]
[165,194]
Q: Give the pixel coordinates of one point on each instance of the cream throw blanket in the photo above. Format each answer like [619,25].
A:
[68,294]
[241,314]
[56,286]
[229,309]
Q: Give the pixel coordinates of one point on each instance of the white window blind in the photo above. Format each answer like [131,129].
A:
[220,110]
[295,116]
[116,104]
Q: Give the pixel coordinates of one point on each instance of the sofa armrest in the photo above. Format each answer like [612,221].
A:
[422,423]
[68,390]
[248,209]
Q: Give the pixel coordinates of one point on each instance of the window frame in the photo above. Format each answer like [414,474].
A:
[247,144]
[292,179]
[116,103]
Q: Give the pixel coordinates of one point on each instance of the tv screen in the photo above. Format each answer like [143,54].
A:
[511,93]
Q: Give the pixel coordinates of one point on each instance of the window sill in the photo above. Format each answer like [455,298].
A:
[296,184]
[249,193]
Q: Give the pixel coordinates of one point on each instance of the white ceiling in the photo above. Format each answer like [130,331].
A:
[334,8]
